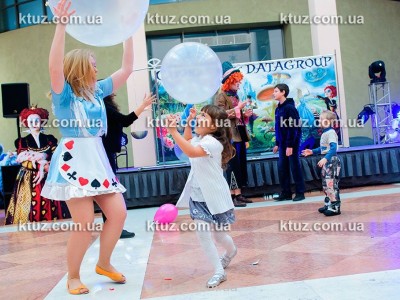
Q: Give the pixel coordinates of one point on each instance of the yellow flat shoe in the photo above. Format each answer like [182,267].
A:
[115,276]
[78,290]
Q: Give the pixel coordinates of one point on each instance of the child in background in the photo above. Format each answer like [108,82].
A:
[330,164]
[206,192]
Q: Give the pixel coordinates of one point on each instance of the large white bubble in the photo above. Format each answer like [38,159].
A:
[191,72]
[119,20]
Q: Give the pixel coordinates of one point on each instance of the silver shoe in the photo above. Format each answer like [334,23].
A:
[226,260]
[216,280]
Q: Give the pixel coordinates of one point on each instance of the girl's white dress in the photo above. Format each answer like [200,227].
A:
[206,190]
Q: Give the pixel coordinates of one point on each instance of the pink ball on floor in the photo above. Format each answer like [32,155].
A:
[166,214]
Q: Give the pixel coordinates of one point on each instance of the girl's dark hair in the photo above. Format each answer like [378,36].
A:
[223,132]
[110,101]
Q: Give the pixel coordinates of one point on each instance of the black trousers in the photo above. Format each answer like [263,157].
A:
[287,164]
[111,159]
[236,172]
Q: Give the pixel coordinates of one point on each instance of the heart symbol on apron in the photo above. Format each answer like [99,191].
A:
[69,145]
[83,181]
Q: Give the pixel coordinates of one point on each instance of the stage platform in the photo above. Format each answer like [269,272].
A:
[361,166]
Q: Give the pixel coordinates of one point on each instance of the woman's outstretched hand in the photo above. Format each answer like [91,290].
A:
[61,11]
[148,101]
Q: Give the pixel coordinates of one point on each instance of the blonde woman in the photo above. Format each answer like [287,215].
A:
[80,171]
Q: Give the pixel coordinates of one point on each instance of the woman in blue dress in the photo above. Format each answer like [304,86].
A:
[79,171]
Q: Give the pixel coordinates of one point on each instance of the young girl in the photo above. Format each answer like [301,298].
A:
[79,171]
[330,164]
[206,192]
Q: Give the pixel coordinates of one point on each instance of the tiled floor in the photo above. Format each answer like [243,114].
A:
[360,260]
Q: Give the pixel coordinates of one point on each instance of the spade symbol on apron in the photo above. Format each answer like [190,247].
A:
[67,156]
[95,183]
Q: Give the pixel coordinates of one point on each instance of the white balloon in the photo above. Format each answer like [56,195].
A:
[191,72]
[119,20]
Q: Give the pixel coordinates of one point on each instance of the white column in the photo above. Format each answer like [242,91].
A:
[138,84]
[325,40]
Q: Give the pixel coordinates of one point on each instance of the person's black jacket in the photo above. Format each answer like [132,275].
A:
[287,124]
[115,122]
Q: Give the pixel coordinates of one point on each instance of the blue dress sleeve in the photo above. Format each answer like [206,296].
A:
[63,98]
[106,85]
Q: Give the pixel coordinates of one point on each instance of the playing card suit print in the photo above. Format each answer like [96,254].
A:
[83,181]
[72,175]
[106,183]
[69,145]
[67,156]
[65,167]
[95,183]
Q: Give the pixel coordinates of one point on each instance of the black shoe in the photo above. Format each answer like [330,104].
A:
[242,198]
[322,209]
[299,197]
[325,207]
[238,203]
[283,197]
[333,209]
[126,234]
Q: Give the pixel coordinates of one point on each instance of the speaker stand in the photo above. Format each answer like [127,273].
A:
[18,128]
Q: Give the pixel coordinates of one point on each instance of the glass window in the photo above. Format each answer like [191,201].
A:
[33,9]
[158,47]
[16,14]
[49,13]
[8,20]
[275,37]
[6,3]
[260,49]
[231,32]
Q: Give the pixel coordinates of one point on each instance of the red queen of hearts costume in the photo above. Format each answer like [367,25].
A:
[26,204]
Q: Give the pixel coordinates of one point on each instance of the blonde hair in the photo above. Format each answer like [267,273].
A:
[80,73]
[329,116]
